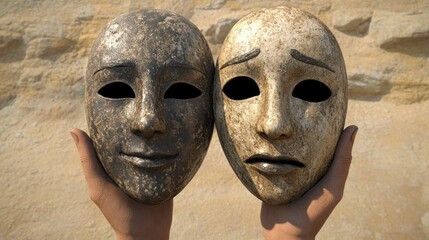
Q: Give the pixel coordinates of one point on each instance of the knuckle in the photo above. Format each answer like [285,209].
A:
[339,196]
[334,197]
[94,196]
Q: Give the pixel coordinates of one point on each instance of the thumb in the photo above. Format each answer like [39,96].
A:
[94,172]
[338,172]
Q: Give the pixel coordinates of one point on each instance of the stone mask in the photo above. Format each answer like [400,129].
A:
[280,97]
[149,104]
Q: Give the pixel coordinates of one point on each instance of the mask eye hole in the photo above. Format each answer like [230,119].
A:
[311,91]
[117,90]
[182,90]
[241,88]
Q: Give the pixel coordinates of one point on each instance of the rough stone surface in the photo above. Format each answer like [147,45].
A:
[368,85]
[43,192]
[406,32]
[353,21]
[218,31]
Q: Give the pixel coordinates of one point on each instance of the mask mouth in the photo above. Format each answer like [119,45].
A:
[270,165]
[149,160]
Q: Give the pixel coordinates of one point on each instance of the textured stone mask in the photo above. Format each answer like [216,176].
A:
[149,105]
[280,101]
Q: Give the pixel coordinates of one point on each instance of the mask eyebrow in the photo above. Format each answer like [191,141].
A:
[183,65]
[115,65]
[308,60]
[242,58]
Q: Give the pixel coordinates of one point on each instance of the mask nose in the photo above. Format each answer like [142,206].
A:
[149,119]
[274,122]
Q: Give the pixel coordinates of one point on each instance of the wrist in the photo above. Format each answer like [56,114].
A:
[275,236]
[150,236]
[287,233]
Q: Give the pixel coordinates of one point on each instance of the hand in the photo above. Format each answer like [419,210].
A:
[303,218]
[129,218]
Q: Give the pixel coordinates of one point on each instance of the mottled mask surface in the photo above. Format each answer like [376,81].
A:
[280,101]
[149,106]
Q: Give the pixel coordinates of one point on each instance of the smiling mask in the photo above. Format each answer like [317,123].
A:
[280,101]
[149,105]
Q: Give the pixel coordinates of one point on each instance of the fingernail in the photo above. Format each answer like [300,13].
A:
[354,135]
[75,138]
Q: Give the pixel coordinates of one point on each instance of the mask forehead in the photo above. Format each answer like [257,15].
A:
[278,31]
[151,39]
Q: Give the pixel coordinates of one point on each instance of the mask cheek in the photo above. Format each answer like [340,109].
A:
[107,132]
[322,140]
[191,124]
[241,119]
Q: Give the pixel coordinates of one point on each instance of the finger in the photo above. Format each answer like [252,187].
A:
[338,172]
[325,195]
[330,188]
[94,172]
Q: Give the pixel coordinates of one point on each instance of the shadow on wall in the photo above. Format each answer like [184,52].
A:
[413,46]
[12,47]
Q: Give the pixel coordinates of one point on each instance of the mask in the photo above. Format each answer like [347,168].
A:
[280,100]
[148,102]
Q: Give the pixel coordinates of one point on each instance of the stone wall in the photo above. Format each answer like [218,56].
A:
[43,52]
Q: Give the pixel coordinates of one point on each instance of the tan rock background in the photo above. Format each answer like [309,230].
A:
[43,52]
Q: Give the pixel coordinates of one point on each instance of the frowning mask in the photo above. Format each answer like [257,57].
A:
[280,101]
[149,107]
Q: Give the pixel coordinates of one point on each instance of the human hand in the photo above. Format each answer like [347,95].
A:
[128,218]
[303,218]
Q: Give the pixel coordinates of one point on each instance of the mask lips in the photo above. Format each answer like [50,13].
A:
[273,165]
[149,161]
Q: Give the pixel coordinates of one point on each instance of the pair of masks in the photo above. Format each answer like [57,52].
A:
[279,92]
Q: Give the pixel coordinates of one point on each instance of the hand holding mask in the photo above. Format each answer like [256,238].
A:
[149,103]
[280,100]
